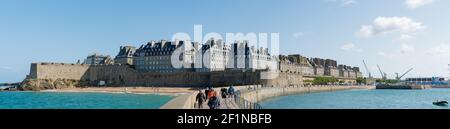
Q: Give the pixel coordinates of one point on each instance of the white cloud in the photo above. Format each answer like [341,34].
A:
[298,34]
[366,31]
[405,48]
[350,47]
[385,25]
[404,37]
[381,54]
[440,50]
[412,4]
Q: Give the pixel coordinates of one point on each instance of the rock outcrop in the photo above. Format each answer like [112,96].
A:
[46,84]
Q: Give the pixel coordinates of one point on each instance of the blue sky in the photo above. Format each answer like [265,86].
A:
[397,34]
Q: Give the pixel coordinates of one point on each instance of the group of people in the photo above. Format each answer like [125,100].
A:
[210,95]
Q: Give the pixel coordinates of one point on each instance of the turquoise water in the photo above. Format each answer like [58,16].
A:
[54,100]
[362,99]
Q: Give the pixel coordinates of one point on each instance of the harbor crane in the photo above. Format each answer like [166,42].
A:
[383,74]
[400,77]
[367,69]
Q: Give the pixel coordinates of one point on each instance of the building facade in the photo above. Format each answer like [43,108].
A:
[157,56]
[97,59]
[125,55]
[215,55]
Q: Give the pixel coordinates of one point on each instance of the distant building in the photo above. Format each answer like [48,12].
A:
[97,59]
[357,72]
[318,65]
[303,62]
[156,56]
[213,55]
[342,70]
[125,55]
[331,68]
[258,58]
[349,72]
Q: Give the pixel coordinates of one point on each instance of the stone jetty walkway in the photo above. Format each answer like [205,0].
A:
[227,103]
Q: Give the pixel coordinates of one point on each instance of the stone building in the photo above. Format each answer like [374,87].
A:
[125,55]
[331,68]
[213,56]
[318,65]
[357,72]
[303,63]
[260,59]
[97,59]
[157,56]
[349,72]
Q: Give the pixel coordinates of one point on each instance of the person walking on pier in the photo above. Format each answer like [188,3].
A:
[213,100]
[224,93]
[211,93]
[207,90]
[200,98]
[214,103]
[231,91]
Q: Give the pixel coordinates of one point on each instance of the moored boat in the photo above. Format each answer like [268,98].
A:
[441,103]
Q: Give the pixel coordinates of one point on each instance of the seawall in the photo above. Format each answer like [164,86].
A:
[80,75]
[58,71]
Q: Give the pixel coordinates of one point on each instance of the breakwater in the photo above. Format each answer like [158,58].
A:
[187,101]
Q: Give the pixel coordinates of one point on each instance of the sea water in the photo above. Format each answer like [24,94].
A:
[361,99]
[65,100]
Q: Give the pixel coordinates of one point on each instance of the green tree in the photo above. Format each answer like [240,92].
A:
[324,80]
[361,80]
[391,81]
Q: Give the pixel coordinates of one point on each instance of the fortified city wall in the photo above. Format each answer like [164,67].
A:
[56,75]
[58,70]
[125,75]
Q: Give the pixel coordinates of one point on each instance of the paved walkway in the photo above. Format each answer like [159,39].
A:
[226,103]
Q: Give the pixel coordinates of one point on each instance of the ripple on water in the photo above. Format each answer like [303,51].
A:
[58,100]
[361,99]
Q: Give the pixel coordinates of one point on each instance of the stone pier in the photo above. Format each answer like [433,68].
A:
[256,94]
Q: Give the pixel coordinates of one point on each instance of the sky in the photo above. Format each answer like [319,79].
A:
[395,34]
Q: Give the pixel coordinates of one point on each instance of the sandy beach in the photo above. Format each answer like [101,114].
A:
[136,90]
